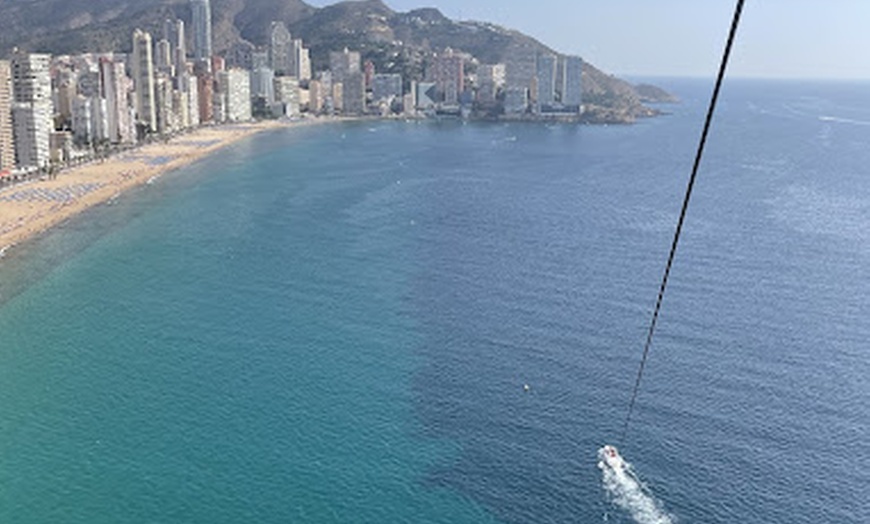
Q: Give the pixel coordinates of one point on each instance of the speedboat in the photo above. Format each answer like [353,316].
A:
[611,458]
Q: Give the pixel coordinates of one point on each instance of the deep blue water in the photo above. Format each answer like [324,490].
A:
[335,324]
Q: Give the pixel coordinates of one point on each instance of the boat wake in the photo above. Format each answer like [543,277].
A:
[625,489]
[839,120]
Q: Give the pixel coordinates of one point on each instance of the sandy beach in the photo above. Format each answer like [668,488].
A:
[31,208]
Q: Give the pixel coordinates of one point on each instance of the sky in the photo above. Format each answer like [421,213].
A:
[827,39]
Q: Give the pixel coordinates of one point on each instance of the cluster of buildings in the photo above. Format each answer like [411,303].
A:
[530,85]
[62,109]
[57,110]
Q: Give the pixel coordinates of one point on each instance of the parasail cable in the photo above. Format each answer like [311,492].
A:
[712,109]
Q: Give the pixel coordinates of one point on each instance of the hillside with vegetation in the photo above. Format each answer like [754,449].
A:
[395,42]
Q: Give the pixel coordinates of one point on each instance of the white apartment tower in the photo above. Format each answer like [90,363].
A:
[32,110]
[572,92]
[303,61]
[235,88]
[7,140]
[546,76]
[143,79]
[114,87]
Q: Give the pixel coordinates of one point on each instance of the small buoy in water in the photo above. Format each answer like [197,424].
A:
[527,388]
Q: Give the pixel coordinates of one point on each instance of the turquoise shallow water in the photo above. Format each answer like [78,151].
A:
[334,324]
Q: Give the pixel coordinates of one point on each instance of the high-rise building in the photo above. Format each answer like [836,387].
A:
[572,92]
[7,140]
[180,44]
[520,67]
[369,71]
[205,88]
[192,93]
[169,35]
[287,96]
[263,85]
[344,64]
[386,87]
[516,100]
[174,33]
[88,82]
[163,61]
[202,49]
[114,91]
[143,80]
[303,62]
[31,78]
[65,93]
[448,73]
[336,101]
[163,103]
[490,79]
[235,88]
[354,94]
[281,50]
[179,109]
[315,97]
[32,110]
[546,77]
[259,59]
[100,119]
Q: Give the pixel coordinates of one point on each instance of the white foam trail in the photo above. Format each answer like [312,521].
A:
[839,120]
[627,491]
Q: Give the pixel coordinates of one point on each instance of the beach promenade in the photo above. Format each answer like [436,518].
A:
[30,208]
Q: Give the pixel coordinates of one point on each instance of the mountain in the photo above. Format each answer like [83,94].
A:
[395,42]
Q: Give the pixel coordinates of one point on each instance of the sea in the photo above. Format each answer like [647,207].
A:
[441,322]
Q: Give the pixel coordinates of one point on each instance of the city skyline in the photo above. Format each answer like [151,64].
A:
[66,109]
[794,39]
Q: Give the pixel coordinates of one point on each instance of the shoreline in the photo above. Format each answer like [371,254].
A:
[31,208]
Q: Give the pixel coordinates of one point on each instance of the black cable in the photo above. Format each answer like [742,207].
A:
[652,327]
